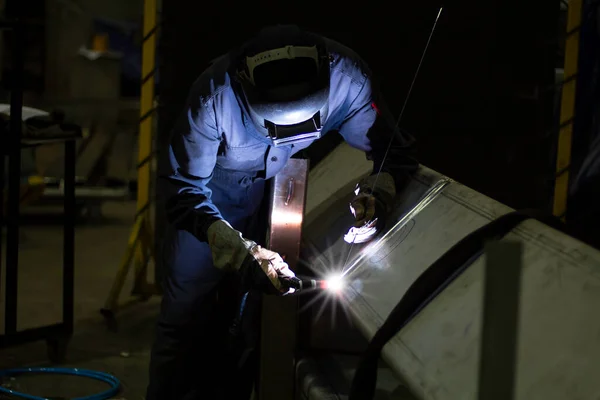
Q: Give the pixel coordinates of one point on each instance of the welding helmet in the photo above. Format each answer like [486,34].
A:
[284,84]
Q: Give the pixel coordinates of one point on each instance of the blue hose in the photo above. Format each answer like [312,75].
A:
[99,376]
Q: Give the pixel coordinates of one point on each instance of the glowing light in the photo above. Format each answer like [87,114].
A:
[292,117]
[286,217]
[334,283]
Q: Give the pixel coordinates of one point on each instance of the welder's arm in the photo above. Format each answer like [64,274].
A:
[193,155]
[369,126]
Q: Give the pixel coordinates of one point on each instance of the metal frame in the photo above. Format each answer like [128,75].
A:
[58,333]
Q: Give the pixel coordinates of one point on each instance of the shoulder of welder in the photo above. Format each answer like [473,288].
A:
[213,81]
[348,62]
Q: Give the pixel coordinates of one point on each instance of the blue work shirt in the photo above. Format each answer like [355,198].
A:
[215,141]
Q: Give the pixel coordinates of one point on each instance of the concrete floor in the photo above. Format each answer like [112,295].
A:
[124,353]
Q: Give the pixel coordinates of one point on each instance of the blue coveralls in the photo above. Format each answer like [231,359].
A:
[219,164]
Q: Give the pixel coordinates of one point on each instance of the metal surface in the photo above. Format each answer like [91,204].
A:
[379,245]
[89,193]
[502,287]
[437,353]
[279,314]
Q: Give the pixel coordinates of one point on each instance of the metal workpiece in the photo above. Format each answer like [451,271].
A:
[378,246]
[502,290]
[286,213]
[438,353]
[279,314]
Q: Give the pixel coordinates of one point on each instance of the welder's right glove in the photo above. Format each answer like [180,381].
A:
[232,252]
[373,199]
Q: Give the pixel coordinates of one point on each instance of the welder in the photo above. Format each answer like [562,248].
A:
[246,115]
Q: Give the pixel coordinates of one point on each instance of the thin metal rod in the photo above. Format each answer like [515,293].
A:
[499,332]
[412,84]
[395,128]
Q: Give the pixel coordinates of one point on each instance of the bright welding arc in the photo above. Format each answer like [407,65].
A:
[395,129]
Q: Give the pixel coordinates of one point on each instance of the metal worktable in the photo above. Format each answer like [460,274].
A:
[11,145]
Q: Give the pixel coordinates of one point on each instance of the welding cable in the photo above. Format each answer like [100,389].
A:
[112,381]
[234,329]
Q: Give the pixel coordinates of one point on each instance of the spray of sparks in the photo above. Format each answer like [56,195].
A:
[337,282]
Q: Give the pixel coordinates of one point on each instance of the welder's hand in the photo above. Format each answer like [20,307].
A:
[373,199]
[363,209]
[273,266]
[229,248]
[260,268]
[261,271]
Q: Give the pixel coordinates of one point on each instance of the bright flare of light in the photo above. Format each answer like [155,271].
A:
[293,117]
[286,218]
[334,283]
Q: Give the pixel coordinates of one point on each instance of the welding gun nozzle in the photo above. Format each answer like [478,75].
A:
[303,284]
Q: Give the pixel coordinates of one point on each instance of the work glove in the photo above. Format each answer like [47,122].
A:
[232,252]
[370,207]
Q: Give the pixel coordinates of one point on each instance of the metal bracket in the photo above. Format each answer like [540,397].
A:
[280,314]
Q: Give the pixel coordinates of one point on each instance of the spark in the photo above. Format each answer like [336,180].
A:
[334,283]
[337,284]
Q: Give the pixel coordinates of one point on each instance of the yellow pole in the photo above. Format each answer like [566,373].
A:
[146,108]
[567,109]
[140,239]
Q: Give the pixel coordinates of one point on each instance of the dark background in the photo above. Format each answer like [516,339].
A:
[481,108]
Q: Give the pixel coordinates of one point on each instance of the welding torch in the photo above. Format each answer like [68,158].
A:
[334,283]
[301,284]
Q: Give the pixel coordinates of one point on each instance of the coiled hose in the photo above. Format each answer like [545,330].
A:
[85,373]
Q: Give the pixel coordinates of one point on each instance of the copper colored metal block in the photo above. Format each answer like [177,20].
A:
[288,194]
[279,314]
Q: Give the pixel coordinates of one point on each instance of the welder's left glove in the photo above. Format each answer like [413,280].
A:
[372,202]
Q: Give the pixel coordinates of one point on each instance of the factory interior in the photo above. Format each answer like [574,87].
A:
[476,278]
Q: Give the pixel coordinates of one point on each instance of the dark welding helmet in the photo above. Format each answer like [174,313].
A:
[284,79]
